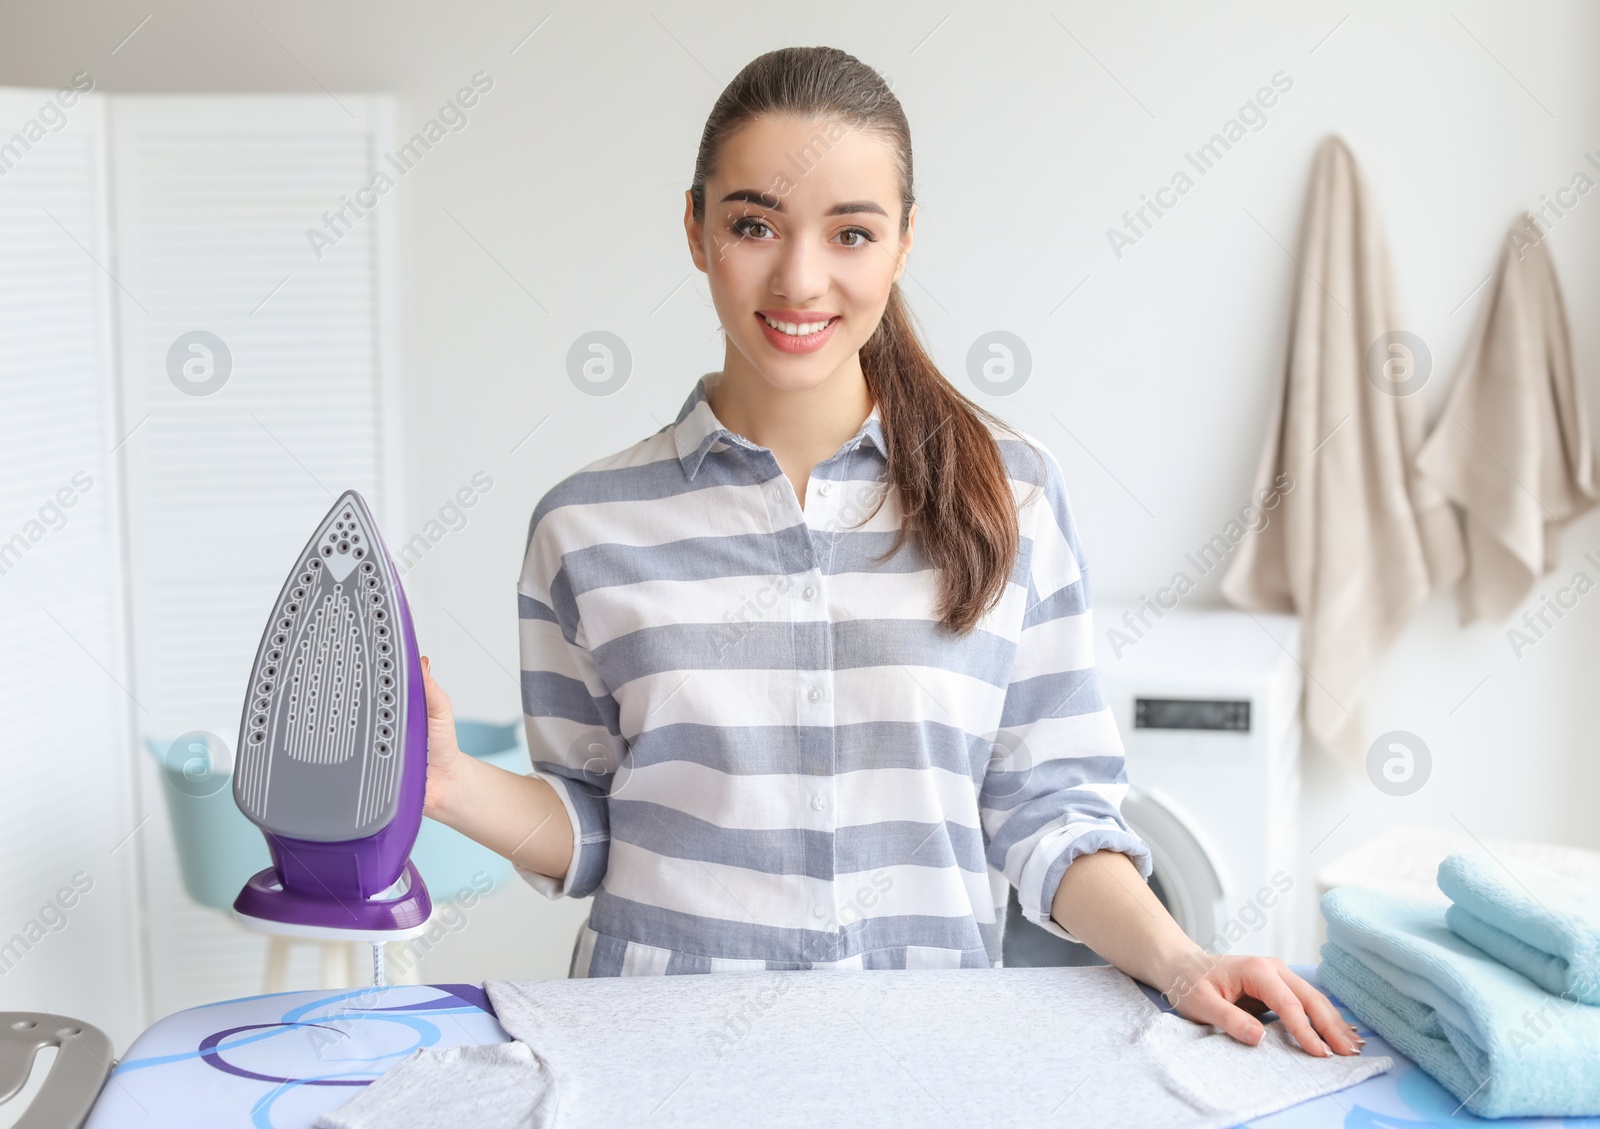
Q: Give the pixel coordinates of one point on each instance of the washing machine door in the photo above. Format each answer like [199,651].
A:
[1184,877]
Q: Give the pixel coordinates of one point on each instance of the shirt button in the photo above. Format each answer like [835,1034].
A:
[818,803]
[825,489]
[808,592]
[817,911]
[815,695]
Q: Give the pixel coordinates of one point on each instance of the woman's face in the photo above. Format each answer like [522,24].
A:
[802,226]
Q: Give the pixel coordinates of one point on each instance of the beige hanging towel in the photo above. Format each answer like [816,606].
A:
[1512,445]
[1359,539]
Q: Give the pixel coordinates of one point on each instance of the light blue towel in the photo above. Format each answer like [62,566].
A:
[1492,1037]
[1543,924]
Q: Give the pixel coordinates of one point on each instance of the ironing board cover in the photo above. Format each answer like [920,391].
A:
[279,1060]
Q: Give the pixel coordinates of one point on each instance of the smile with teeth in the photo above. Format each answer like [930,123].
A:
[803,329]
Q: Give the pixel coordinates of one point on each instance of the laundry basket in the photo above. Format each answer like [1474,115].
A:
[219,849]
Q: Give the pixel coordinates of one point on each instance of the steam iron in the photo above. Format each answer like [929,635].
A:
[333,746]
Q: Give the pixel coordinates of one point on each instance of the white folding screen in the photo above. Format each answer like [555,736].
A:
[168,329]
[69,880]
[257,376]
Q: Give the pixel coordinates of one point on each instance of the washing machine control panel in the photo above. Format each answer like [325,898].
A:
[1191,713]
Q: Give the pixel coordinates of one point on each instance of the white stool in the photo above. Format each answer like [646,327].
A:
[344,963]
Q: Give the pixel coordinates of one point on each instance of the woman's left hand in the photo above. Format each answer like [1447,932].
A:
[1105,903]
[1230,991]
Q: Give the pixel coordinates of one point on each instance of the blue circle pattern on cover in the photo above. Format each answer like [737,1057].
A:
[280,1060]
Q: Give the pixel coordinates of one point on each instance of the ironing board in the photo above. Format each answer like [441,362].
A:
[277,1061]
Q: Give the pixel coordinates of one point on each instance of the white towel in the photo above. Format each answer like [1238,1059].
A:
[1017,1046]
[1361,539]
[1512,445]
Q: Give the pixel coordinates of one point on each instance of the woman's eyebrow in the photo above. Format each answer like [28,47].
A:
[774,204]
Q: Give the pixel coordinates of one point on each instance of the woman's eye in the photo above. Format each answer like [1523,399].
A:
[866,236]
[743,227]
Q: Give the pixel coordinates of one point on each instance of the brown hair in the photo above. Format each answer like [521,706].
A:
[952,480]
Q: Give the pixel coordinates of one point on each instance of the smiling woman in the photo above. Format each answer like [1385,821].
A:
[804,275]
[907,721]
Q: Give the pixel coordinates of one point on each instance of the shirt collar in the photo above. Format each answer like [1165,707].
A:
[697,428]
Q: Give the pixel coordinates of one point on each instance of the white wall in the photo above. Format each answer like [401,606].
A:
[557,210]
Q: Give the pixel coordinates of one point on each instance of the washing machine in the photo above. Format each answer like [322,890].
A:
[1207,702]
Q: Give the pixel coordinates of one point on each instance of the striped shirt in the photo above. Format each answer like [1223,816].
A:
[772,755]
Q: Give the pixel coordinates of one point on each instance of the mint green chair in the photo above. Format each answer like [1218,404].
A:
[218,848]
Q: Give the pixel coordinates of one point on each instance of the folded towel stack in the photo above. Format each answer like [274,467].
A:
[1466,990]
[1543,924]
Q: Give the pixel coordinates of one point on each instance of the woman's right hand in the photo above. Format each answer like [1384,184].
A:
[503,810]
[444,754]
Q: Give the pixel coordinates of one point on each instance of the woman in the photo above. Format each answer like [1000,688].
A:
[807,674]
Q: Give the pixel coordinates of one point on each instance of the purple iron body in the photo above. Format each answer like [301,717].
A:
[333,745]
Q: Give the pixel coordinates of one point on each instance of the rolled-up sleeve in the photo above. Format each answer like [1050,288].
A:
[1053,790]
[570,715]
